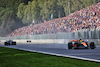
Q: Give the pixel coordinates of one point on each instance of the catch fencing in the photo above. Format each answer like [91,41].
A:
[83,34]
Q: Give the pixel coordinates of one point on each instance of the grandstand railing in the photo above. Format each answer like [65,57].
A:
[83,34]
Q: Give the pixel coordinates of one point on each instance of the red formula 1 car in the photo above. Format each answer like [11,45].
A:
[76,44]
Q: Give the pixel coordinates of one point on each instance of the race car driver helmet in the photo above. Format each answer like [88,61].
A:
[80,40]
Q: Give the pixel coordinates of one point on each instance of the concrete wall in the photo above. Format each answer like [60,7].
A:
[53,43]
[48,43]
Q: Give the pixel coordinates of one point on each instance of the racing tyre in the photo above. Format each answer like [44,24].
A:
[92,45]
[14,43]
[70,45]
[29,41]
[75,45]
[6,43]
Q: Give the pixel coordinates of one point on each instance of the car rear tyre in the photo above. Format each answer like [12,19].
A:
[75,45]
[14,43]
[92,45]
[6,43]
[70,45]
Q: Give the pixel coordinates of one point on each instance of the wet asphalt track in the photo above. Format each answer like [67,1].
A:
[84,53]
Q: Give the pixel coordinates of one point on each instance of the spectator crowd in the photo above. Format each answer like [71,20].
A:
[87,18]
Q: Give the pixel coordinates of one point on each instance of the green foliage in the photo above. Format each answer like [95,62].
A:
[8,14]
[8,19]
[1,12]
[29,12]
[21,9]
[49,7]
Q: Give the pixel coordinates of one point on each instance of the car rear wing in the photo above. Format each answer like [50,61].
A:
[74,40]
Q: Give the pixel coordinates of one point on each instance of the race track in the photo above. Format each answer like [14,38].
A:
[82,53]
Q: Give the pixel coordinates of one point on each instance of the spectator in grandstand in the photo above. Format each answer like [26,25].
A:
[85,18]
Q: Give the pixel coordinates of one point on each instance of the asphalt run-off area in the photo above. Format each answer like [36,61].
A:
[85,54]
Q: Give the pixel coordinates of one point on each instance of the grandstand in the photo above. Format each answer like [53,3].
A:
[87,18]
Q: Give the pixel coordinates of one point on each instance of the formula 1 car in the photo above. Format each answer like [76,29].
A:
[76,44]
[9,42]
[29,41]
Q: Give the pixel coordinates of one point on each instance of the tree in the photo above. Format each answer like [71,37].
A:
[49,7]
[2,10]
[3,31]
[36,12]
[8,14]
[25,12]
[8,20]
[75,5]
[65,5]
[20,13]
[29,12]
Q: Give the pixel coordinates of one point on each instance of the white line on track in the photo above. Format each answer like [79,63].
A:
[86,54]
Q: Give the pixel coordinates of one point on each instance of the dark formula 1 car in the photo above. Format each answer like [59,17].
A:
[29,41]
[76,44]
[9,42]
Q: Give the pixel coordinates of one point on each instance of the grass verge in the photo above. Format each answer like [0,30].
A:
[18,58]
